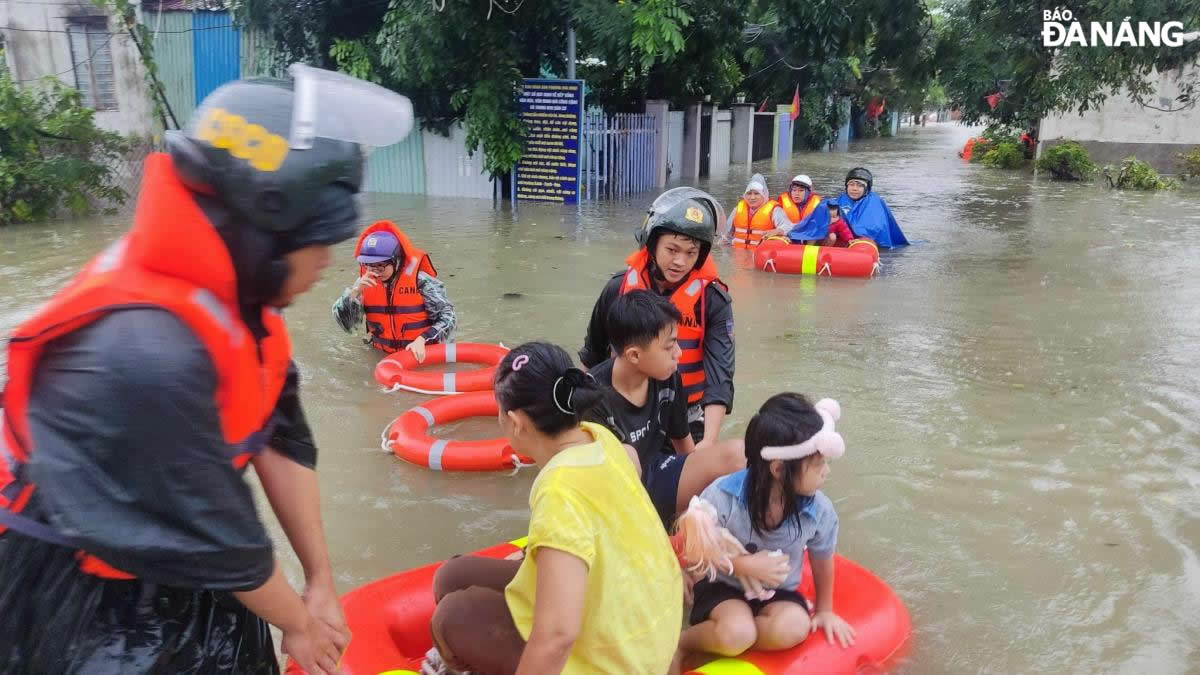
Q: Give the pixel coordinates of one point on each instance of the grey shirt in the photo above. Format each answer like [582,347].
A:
[818,526]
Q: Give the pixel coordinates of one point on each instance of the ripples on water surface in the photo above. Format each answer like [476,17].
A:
[1020,395]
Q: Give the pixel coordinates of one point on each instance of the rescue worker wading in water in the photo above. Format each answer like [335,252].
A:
[397,294]
[675,261]
[138,394]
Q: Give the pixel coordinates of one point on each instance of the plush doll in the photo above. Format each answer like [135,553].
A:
[708,548]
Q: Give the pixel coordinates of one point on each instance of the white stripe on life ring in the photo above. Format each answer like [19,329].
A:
[448,382]
[424,412]
[451,352]
[435,453]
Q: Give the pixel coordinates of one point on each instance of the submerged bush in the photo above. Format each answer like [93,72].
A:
[1068,161]
[1134,174]
[1189,164]
[1004,155]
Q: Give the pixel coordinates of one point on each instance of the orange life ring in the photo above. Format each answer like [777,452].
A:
[396,370]
[407,436]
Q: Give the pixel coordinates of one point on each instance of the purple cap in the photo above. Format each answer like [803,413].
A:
[378,247]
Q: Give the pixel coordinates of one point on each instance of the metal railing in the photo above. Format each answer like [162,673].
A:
[617,155]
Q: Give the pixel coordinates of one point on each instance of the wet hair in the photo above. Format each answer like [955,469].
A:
[785,419]
[637,318]
[540,380]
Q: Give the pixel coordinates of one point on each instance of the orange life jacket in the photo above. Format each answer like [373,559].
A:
[691,327]
[795,213]
[172,259]
[748,232]
[395,311]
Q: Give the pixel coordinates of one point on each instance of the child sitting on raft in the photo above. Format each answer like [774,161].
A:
[774,504]
[597,591]
[840,233]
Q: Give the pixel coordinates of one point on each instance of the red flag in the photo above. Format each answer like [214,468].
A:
[993,99]
[796,104]
[763,107]
[875,107]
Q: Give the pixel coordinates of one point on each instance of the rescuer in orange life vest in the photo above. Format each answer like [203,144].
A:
[139,393]
[799,201]
[397,294]
[756,216]
[675,261]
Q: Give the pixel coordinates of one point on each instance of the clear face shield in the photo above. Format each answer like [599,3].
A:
[340,107]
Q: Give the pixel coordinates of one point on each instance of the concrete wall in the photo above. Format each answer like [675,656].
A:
[741,133]
[674,144]
[690,167]
[1120,127]
[718,158]
[32,54]
[661,112]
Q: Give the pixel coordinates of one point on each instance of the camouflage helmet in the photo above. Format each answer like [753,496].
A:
[683,210]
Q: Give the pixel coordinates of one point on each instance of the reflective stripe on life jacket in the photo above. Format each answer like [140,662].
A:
[689,297]
[794,212]
[172,259]
[395,311]
[748,231]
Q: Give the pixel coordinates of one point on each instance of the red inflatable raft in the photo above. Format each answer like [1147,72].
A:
[860,259]
[389,620]
[397,370]
[407,436]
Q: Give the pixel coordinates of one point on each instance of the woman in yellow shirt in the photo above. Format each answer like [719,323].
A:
[599,589]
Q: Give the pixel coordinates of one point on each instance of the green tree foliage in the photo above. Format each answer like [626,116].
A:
[995,46]
[52,155]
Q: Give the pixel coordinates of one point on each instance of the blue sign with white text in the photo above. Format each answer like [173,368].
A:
[552,111]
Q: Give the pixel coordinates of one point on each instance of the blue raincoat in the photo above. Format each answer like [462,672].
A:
[868,217]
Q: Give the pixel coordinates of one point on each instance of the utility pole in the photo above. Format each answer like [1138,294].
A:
[570,51]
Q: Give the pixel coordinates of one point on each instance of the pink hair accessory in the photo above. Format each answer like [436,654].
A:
[521,360]
[827,441]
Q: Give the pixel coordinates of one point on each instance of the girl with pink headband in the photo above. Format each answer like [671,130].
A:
[747,532]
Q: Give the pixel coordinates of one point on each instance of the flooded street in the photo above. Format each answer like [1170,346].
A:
[1021,402]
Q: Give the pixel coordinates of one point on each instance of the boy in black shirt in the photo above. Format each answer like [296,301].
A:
[645,406]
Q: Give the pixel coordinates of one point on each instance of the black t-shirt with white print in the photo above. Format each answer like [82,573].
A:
[649,427]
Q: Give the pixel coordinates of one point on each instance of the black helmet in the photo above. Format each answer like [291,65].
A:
[268,184]
[859,173]
[683,210]
[265,197]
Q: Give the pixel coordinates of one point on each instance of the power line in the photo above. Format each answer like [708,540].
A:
[165,32]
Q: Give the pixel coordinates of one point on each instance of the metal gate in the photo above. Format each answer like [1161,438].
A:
[617,154]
